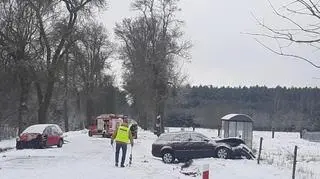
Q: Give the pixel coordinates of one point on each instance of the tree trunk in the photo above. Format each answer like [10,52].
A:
[78,110]
[142,118]
[25,85]
[161,97]
[42,114]
[89,110]
[65,115]
[145,120]
[45,102]
[65,103]
[160,111]
[111,104]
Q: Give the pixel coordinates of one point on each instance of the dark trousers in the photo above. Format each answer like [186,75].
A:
[124,152]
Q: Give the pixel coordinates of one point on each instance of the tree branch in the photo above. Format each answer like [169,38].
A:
[287,55]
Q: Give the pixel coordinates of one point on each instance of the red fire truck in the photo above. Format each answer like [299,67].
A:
[106,124]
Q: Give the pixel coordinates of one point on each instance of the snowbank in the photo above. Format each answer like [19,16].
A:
[7,144]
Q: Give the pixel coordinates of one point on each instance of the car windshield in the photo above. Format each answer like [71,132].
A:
[199,137]
[165,137]
[181,137]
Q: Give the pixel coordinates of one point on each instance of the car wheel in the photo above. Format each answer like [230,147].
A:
[223,153]
[104,135]
[19,146]
[168,157]
[60,143]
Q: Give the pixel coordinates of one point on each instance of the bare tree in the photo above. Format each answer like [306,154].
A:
[18,47]
[91,54]
[300,29]
[152,43]
[300,26]
[55,22]
[137,77]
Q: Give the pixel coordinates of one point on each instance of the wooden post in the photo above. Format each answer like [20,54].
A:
[260,148]
[272,132]
[294,162]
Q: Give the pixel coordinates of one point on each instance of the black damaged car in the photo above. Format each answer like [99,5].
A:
[191,145]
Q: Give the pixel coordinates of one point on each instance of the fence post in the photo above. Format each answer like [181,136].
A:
[6,131]
[300,134]
[260,148]
[294,162]
[1,131]
[272,132]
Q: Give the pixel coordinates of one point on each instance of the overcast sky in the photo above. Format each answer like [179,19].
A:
[222,55]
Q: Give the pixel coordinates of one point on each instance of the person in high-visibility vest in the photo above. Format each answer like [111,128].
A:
[122,136]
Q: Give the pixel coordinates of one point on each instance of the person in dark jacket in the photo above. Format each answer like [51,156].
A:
[122,136]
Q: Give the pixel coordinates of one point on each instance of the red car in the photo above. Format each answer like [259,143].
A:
[40,136]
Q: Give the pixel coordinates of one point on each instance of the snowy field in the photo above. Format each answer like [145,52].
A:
[84,157]
[279,152]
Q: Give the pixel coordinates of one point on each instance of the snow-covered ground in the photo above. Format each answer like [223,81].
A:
[7,144]
[279,152]
[84,157]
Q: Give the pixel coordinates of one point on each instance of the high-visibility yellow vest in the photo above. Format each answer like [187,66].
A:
[123,134]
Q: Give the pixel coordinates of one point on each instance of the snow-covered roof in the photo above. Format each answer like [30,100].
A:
[37,128]
[237,117]
[104,116]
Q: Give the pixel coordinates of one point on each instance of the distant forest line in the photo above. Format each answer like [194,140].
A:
[281,108]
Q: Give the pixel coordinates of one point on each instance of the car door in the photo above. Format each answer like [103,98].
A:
[50,136]
[200,146]
[179,144]
[55,135]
